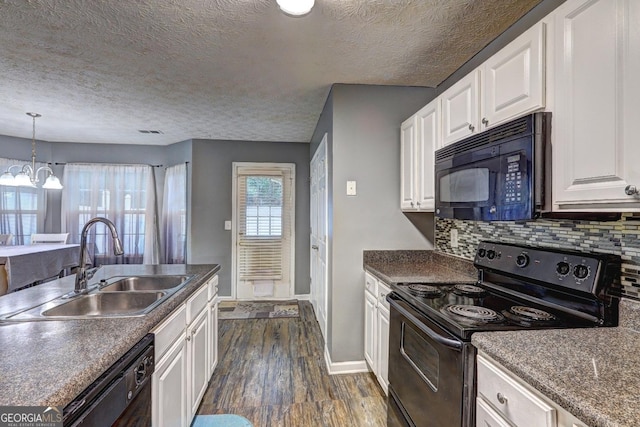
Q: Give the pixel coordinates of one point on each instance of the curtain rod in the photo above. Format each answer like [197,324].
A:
[101,163]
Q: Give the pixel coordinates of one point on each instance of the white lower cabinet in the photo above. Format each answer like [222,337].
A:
[198,362]
[504,400]
[169,394]
[183,347]
[376,329]
[213,325]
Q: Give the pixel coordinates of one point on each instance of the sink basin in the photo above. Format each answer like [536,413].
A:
[145,283]
[107,304]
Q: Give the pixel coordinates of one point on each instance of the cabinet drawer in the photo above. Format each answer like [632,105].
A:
[213,287]
[370,283]
[168,331]
[511,399]
[487,417]
[197,302]
[383,290]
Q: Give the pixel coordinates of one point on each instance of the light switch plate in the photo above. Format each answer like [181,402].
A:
[351,188]
[227,225]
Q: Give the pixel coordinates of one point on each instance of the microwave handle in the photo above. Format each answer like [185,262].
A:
[447,342]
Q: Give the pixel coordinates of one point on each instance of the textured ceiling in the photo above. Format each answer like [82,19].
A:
[99,71]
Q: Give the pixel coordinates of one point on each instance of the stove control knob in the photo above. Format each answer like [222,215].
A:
[482,252]
[581,271]
[563,268]
[491,254]
[522,260]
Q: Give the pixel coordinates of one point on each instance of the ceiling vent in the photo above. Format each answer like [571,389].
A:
[151,131]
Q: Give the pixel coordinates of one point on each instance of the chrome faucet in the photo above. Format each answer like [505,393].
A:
[83,274]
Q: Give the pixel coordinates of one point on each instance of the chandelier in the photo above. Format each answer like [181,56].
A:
[28,174]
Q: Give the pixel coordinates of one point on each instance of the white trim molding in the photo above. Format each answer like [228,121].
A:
[352,367]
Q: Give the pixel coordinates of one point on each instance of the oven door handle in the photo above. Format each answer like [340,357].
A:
[447,342]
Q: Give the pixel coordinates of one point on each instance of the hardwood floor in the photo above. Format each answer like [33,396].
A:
[272,372]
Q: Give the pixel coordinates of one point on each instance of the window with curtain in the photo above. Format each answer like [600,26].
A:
[174,215]
[124,194]
[22,209]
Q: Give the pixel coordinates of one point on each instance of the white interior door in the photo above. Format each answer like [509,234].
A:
[319,297]
[263,230]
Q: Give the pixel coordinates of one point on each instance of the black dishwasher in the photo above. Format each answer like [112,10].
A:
[121,396]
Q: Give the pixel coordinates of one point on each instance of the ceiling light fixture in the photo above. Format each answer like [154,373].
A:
[28,175]
[296,7]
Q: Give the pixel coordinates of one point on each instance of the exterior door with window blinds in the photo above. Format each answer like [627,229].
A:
[264,224]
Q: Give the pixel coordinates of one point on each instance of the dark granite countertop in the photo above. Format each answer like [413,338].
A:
[51,362]
[418,266]
[592,373]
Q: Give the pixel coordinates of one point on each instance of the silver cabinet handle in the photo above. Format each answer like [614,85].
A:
[631,190]
[501,398]
[485,121]
[471,127]
[314,247]
[418,203]
[411,204]
[188,337]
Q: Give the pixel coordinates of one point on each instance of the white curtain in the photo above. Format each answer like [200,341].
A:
[124,194]
[22,209]
[174,215]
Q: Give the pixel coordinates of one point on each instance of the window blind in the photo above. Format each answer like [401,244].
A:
[265,205]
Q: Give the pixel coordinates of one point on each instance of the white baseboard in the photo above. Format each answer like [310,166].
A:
[352,367]
[302,297]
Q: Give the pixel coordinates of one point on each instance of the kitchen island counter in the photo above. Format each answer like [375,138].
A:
[49,362]
[592,373]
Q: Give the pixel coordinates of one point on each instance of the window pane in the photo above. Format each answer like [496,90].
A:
[263,206]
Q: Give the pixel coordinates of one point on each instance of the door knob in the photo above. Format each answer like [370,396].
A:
[631,190]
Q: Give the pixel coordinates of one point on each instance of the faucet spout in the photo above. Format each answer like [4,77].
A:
[81,274]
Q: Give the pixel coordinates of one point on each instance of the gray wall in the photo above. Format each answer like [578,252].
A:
[365,147]
[211,201]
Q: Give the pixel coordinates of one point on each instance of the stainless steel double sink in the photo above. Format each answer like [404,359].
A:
[130,296]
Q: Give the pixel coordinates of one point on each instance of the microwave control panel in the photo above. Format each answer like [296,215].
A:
[514,190]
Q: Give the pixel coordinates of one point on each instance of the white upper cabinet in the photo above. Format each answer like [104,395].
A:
[596,157]
[513,80]
[461,109]
[419,136]
[407,163]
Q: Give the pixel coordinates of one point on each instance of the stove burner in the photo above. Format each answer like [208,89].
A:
[424,290]
[470,290]
[472,312]
[530,313]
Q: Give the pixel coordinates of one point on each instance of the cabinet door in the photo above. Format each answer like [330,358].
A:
[513,79]
[198,367]
[169,394]
[460,108]
[597,99]
[370,330]
[408,164]
[213,335]
[487,417]
[428,137]
[383,347]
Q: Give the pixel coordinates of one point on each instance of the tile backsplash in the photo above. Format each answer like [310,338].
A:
[620,237]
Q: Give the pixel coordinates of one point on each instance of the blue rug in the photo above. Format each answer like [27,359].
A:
[221,420]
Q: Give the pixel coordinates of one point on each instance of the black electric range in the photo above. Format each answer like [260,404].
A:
[431,359]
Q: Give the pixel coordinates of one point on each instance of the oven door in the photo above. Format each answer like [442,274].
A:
[430,371]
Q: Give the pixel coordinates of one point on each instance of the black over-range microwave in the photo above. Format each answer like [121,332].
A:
[501,174]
